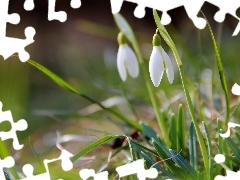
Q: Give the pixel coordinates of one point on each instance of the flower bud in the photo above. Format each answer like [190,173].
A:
[121,38]
[156,40]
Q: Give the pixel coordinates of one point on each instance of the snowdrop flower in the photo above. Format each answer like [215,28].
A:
[126,59]
[159,60]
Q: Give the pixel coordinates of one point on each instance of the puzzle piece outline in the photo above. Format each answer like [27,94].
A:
[10,45]
[192,9]
[20,125]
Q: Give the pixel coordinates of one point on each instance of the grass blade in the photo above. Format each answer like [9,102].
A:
[233,147]
[93,146]
[181,129]
[210,153]
[221,73]
[151,162]
[183,163]
[59,81]
[193,148]
[173,132]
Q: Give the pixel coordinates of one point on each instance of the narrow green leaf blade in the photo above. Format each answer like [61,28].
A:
[173,132]
[210,153]
[124,26]
[181,129]
[193,148]
[150,162]
[93,146]
[59,81]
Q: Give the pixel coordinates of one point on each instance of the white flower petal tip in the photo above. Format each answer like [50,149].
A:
[236,89]
[127,62]
[156,66]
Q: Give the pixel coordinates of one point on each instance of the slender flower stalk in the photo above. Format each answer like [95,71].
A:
[128,32]
[171,44]
[159,60]
[126,59]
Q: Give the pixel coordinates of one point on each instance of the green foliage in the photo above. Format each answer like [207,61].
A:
[161,142]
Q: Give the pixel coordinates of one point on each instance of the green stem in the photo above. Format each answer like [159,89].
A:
[128,32]
[171,44]
[152,95]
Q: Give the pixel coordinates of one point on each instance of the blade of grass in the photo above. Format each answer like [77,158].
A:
[35,154]
[59,81]
[166,157]
[233,147]
[221,73]
[210,153]
[183,163]
[173,132]
[151,162]
[220,146]
[181,129]
[93,146]
[193,148]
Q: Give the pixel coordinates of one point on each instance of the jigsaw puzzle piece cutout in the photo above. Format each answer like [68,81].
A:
[13,18]
[137,167]
[159,5]
[192,8]
[64,157]
[87,173]
[60,15]
[20,125]
[116,6]
[53,15]
[76,4]
[28,171]
[139,11]
[8,45]
[7,162]
[28,5]
[225,8]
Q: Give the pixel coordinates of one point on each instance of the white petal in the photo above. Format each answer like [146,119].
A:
[120,63]
[156,67]
[169,68]
[131,61]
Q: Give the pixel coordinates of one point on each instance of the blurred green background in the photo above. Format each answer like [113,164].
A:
[82,51]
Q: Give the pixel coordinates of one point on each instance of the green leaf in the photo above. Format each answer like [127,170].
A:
[235,149]
[124,27]
[173,132]
[237,137]
[143,147]
[149,132]
[181,129]
[183,163]
[150,162]
[221,73]
[59,81]
[223,146]
[193,148]
[210,153]
[93,146]
[165,155]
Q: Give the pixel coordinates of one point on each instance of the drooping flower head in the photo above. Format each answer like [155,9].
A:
[126,59]
[159,60]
